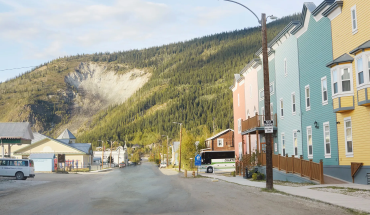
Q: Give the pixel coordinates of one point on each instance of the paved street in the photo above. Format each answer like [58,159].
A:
[144,189]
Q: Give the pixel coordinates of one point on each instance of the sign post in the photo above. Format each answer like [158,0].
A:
[198,161]
[269,126]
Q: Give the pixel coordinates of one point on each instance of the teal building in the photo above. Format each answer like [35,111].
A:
[318,130]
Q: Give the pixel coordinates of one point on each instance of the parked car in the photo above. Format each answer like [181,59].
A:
[163,165]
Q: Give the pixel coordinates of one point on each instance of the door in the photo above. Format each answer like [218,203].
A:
[3,167]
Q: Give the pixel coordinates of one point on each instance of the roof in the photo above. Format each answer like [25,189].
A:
[38,137]
[219,134]
[292,24]
[42,156]
[66,135]
[85,147]
[334,6]
[345,58]
[306,6]
[363,46]
[16,130]
[322,6]
[136,146]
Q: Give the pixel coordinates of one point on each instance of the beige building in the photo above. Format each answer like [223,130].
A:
[80,154]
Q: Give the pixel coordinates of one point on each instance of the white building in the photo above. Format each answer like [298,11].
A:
[119,155]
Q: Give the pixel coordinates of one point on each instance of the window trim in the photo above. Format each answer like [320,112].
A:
[295,132]
[222,142]
[308,145]
[323,129]
[283,144]
[309,97]
[259,95]
[239,125]
[348,154]
[354,30]
[295,104]
[339,69]
[281,109]
[322,91]
[275,147]
[285,67]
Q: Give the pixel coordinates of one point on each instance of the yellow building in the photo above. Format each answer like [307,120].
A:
[80,154]
[350,83]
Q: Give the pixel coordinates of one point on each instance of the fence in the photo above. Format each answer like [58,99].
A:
[305,168]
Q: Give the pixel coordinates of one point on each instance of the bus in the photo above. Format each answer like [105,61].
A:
[21,169]
[217,161]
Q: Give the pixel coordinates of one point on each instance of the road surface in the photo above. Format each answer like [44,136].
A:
[143,189]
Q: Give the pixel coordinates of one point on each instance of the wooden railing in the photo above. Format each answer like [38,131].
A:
[305,168]
[256,121]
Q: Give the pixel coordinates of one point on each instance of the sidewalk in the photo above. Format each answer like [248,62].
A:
[341,200]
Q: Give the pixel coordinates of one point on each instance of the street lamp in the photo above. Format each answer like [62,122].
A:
[180,143]
[266,81]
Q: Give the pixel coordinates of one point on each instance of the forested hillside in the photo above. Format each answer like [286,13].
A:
[189,83]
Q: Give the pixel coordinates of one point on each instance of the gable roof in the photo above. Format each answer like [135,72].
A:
[334,6]
[322,6]
[16,130]
[363,46]
[219,134]
[85,147]
[38,137]
[66,135]
[345,58]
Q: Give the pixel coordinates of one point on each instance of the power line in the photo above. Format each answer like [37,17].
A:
[17,68]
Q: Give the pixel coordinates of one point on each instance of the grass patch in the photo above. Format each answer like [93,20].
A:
[346,189]
[292,184]
[80,170]
[273,190]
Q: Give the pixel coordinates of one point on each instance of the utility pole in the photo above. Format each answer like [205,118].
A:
[167,151]
[266,83]
[180,147]
[110,160]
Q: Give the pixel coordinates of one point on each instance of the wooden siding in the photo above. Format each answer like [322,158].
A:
[345,41]
[315,50]
[285,86]
[361,95]
[228,142]
[239,112]
[346,101]
[336,103]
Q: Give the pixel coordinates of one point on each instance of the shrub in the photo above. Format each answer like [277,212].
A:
[233,174]
[258,176]
[254,176]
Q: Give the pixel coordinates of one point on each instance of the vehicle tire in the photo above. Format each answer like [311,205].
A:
[209,169]
[19,175]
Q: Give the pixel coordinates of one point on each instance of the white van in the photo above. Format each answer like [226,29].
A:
[20,168]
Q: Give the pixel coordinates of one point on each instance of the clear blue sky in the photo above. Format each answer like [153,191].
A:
[36,31]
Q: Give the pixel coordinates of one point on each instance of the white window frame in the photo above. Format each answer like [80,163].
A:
[263,115]
[294,147]
[275,144]
[239,125]
[354,19]
[272,110]
[308,145]
[281,109]
[327,155]
[238,100]
[348,154]
[283,144]
[322,91]
[339,70]
[307,97]
[366,70]
[222,140]
[294,104]
[261,98]
[273,88]
[285,67]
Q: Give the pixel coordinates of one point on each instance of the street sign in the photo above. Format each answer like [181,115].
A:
[269,126]
[198,160]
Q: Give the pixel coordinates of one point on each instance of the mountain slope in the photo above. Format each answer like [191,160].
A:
[185,82]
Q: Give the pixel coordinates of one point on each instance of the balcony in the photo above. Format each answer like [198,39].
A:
[363,97]
[254,124]
[343,104]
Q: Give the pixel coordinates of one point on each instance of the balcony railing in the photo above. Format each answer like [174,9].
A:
[256,122]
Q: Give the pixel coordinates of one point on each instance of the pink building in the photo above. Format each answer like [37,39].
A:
[239,113]
[251,99]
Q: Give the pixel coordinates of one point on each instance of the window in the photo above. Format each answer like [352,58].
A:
[262,95]
[238,101]
[327,140]
[348,136]
[360,71]
[281,108]
[283,143]
[307,94]
[285,68]
[335,82]
[354,19]
[272,110]
[295,142]
[342,81]
[220,142]
[309,141]
[293,103]
[239,126]
[263,115]
[271,88]
[368,66]
[324,91]
[346,80]
[275,147]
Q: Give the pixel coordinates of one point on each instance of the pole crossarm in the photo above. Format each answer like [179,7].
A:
[259,21]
